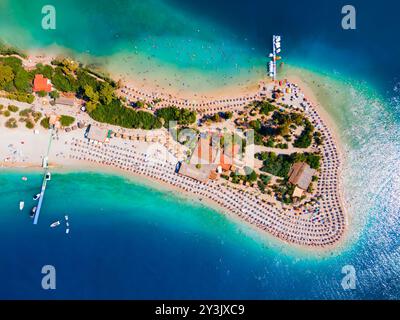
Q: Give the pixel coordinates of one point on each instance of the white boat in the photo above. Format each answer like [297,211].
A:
[48,176]
[55,224]
[33,212]
[67,231]
[66,217]
[21,205]
[36,197]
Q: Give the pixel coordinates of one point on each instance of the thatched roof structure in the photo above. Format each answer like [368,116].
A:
[300,174]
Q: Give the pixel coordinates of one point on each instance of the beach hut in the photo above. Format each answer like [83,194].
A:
[66,101]
[96,134]
[300,174]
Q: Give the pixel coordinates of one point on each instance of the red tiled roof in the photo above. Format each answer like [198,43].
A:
[41,83]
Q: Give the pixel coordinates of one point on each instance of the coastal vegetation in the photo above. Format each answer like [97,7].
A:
[279,165]
[66,121]
[182,116]
[11,123]
[45,123]
[117,114]
[13,77]
[13,108]
[96,89]
[284,191]
[217,117]
[7,50]
[248,178]
[305,138]
[30,115]
[277,127]
[264,107]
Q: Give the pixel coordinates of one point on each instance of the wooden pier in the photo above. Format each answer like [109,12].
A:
[44,182]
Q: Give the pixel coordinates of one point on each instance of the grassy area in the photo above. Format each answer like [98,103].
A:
[66,121]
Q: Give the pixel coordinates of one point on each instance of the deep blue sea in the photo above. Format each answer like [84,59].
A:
[130,241]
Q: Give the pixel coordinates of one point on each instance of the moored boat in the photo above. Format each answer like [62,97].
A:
[36,197]
[21,205]
[33,211]
[55,224]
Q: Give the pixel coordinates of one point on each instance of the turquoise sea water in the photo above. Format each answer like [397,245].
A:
[129,241]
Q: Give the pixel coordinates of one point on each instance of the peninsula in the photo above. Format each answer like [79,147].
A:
[266,157]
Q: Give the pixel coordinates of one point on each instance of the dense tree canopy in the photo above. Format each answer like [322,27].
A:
[279,165]
[182,116]
[117,114]
[6,75]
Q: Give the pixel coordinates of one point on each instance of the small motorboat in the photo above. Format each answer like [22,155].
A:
[67,231]
[55,224]
[66,217]
[33,211]
[48,176]
[21,205]
[36,197]
[24,178]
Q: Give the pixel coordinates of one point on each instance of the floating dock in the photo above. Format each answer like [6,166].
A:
[276,50]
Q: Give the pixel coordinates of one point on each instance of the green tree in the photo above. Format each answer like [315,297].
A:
[54,94]
[6,75]
[106,93]
[69,65]
[140,104]
[23,80]
[13,108]
[11,123]
[42,93]
[252,177]
[91,94]
[228,115]
[216,117]
[45,123]
[90,106]
[66,121]
[29,124]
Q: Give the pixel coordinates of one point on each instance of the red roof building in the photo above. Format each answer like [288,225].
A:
[227,157]
[41,83]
